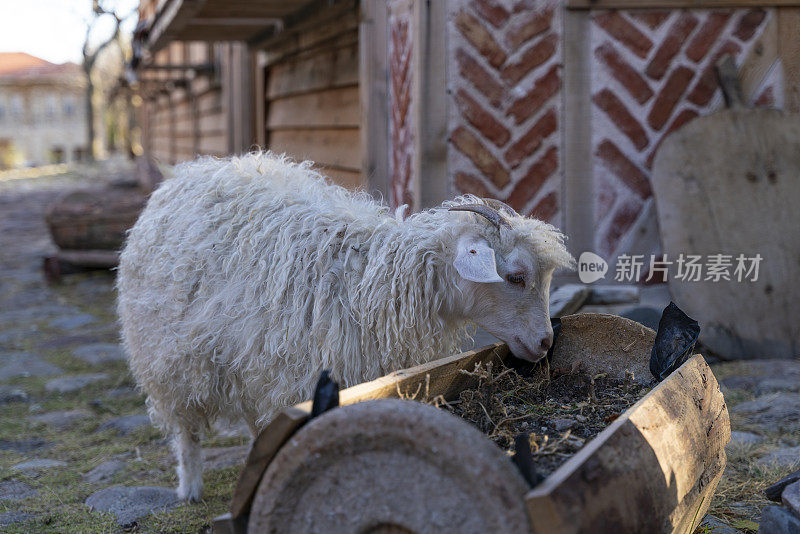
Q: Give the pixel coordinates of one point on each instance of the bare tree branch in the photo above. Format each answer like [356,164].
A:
[89,59]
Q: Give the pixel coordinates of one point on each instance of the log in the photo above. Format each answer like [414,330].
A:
[400,464]
[94,219]
[654,469]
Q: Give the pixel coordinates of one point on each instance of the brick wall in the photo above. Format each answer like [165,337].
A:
[652,72]
[649,72]
[504,87]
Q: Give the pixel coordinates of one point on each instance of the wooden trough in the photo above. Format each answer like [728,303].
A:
[381,465]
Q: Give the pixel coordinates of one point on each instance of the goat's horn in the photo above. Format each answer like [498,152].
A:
[483,210]
[499,204]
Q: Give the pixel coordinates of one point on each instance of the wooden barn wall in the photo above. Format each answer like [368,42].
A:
[181,122]
[312,102]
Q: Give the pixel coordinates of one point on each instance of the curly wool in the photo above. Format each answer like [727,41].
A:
[245,277]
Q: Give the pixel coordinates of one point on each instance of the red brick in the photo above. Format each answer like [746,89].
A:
[623,168]
[484,82]
[469,145]
[606,196]
[707,35]
[652,18]
[618,27]
[527,6]
[482,120]
[621,117]
[491,11]
[707,84]
[546,208]
[532,139]
[534,23]
[474,32]
[749,23]
[680,119]
[624,73]
[467,183]
[401,86]
[530,59]
[624,216]
[537,175]
[544,89]
[766,99]
[670,94]
[671,45]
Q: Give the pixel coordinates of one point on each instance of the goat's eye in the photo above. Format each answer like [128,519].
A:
[516,279]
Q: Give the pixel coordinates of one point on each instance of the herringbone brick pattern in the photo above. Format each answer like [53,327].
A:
[653,72]
[504,86]
[401,125]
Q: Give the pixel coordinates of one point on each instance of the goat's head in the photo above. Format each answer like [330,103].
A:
[505,263]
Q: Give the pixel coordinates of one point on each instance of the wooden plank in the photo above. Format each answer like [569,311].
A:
[439,377]
[104,259]
[430,104]
[259,99]
[306,20]
[209,124]
[374,96]
[321,34]
[340,148]
[340,40]
[760,58]
[349,178]
[568,299]
[789,52]
[261,454]
[332,108]
[732,162]
[675,4]
[333,68]
[577,200]
[646,471]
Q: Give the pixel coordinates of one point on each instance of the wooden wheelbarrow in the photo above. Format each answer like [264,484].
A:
[379,464]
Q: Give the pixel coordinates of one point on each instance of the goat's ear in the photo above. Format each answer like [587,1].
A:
[475,260]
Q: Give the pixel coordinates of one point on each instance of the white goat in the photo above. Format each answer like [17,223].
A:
[245,277]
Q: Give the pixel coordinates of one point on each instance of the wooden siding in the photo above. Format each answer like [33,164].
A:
[312,96]
[182,122]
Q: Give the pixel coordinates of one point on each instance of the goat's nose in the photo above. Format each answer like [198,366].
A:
[546,343]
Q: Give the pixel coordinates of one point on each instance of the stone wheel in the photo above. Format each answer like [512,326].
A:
[390,466]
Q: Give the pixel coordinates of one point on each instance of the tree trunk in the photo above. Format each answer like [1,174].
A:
[90,133]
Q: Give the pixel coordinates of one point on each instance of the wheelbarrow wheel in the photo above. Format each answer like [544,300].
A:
[389,466]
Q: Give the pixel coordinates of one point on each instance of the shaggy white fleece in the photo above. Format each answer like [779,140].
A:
[245,277]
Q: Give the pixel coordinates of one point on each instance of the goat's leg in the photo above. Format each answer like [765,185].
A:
[186,444]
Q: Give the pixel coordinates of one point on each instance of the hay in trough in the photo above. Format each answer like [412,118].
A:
[559,410]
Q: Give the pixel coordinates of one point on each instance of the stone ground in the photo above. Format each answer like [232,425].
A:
[77,452]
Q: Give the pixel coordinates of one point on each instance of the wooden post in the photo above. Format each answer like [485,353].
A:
[577,202]
[260,98]
[430,101]
[789,52]
[374,96]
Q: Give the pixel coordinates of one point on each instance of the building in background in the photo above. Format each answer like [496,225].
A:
[42,111]
[557,108]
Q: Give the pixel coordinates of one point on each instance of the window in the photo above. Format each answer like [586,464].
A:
[50,107]
[17,107]
[68,104]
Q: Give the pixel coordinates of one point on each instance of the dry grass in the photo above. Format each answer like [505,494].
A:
[541,403]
